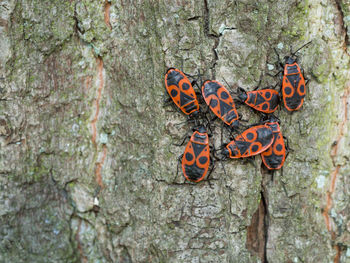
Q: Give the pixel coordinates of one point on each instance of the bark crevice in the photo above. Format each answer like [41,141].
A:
[209,34]
[340,21]
[257,231]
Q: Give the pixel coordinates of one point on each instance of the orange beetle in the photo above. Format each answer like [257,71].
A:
[181,91]
[220,102]
[265,100]
[293,85]
[293,82]
[196,158]
[252,141]
[275,156]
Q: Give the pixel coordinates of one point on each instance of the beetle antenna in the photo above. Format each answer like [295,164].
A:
[293,54]
[229,86]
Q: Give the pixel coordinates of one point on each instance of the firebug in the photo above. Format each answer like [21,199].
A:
[252,141]
[275,155]
[220,102]
[181,92]
[196,158]
[265,100]
[293,82]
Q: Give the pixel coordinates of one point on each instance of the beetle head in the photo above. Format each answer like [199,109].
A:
[289,60]
[194,115]
[200,129]
[225,152]
[242,94]
[271,118]
[234,125]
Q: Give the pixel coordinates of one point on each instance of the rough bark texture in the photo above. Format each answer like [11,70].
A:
[87,161]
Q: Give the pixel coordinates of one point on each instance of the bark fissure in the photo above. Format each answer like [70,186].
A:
[107,14]
[342,25]
[216,38]
[257,231]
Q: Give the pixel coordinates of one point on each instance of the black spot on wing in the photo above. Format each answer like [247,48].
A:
[287,90]
[203,160]
[173,92]
[185,86]
[250,136]
[189,157]
[224,95]
[255,148]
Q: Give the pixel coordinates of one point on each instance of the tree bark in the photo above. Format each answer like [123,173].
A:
[87,161]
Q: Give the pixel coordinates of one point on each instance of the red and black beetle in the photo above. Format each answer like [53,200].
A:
[252,141]
[265,100]
[181,92]
[275,155]
[293,85]
[196,158]
[220,102]
[293,82]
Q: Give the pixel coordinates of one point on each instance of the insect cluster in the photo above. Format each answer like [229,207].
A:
[264,138]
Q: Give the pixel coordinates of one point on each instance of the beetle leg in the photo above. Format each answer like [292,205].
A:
[250,160]
[260,80]
[279,59]
[179,159]
[293,54]
[167,102]
[188,75]
[229,86]
[214,118]
[183,141]
[210,172]
[287,145]
[307,82]
[271,75]
[272,175]
[166,98]
[273,87]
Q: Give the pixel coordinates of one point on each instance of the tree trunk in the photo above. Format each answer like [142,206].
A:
[88,162]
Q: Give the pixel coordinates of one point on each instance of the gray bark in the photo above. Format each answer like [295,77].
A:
[87,161]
